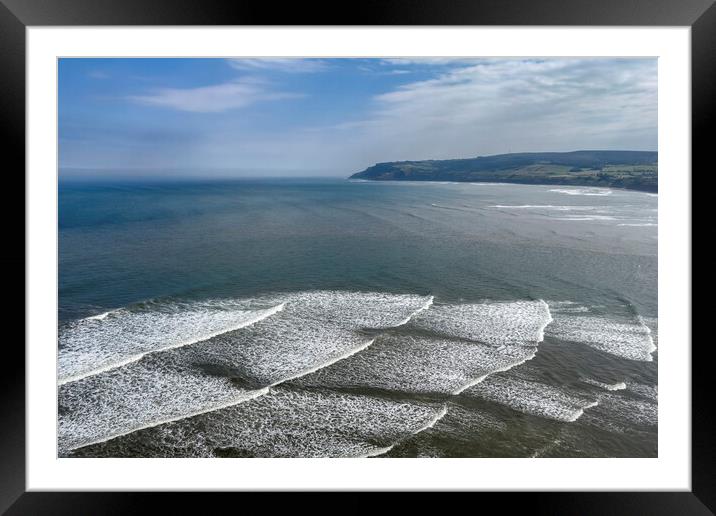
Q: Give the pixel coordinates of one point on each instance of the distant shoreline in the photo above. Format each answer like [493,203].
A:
[629,170]
[506,182]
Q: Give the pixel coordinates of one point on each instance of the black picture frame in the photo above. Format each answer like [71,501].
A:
[16,15]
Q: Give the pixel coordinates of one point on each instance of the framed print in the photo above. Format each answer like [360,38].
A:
[435,249]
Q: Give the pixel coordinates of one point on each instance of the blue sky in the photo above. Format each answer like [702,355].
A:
[333,117]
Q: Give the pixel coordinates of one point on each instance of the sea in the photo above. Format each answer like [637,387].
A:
[342,318]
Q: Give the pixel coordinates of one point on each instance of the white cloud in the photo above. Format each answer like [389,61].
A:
[281,64]
[431,61]
[212,99]
[487,106]
[499,105]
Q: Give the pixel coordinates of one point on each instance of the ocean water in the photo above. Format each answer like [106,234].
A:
[336,318]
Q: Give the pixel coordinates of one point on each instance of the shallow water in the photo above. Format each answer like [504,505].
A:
[338,318]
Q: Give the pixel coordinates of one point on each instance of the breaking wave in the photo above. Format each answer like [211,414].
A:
[317,374]
[284,423]
[313,330]
[114,339]
[583,191]
[624,336]
[616,386]
[533,397]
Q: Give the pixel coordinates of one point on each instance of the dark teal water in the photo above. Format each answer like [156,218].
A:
[543,317]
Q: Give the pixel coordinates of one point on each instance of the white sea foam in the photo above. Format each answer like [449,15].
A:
[150,393]
[649,392]
[617,386]
[500,370]
[618,413]
[88,417]
[486,183]
[566,307]
[425,306]
[526,206]
[419,364]
[545,207]
[99,317]
[624,337]
[532,397]
[225,394]
[645,224]
[377,452]
[653,324]
[460,425]
[442,364]
[583,191]
[288,423]
[314,330]
[496,323]
[428,425]
[114,339]
[463,423]
[589,218]
[328,363]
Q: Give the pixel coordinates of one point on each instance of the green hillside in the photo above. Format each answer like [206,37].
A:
[636,170]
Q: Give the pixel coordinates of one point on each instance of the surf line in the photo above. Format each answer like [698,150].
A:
[252,395]
[547,322]
[260,392]
[479,379]
[580,412]
[652,347]
[427,305]
[618,386]
[540,338]
[99,317]
[381,451]
[431,423]
[263,314]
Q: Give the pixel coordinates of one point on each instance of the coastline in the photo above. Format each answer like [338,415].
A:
[524,183]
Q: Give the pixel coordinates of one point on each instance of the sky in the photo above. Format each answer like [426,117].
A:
[333,117]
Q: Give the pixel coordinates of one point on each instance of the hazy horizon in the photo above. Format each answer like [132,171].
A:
[292,117]
[70,173]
